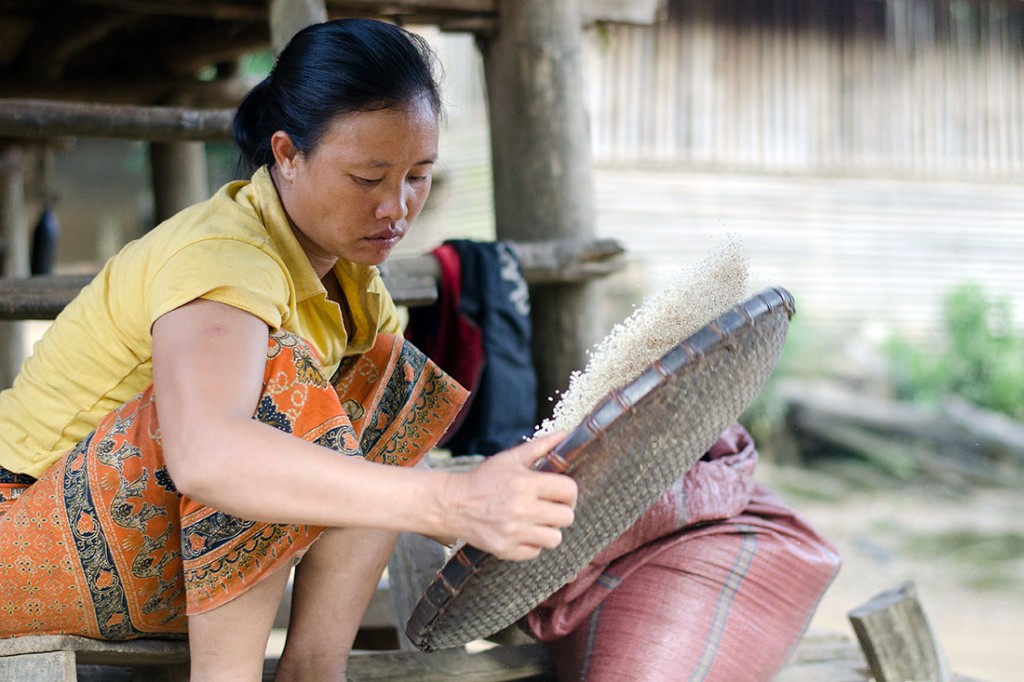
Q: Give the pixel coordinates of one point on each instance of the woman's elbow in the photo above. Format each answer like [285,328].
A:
[192,474]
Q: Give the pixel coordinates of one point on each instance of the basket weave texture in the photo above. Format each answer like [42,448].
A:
[625,454]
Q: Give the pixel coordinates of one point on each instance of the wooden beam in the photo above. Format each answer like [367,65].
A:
[568,261]
[42,298]
[42,118]
[256,12]
[641,12]
[38,298]
[633,11]
[897,638]
[411,281]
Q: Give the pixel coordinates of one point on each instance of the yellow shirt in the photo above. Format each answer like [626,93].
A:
[237,248]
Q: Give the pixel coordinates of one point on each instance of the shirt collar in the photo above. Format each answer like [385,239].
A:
[306,282]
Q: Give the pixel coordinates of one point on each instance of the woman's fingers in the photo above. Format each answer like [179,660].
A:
[557,488]
[530,451]
[513,511]
[551,486]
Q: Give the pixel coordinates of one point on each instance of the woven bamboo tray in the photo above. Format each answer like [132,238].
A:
[626,453]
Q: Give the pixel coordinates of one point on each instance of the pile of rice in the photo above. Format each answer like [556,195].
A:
[696,295]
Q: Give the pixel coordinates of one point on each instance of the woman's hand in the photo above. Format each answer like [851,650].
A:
[505,508]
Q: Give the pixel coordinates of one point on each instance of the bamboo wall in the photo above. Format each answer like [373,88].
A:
[909,87]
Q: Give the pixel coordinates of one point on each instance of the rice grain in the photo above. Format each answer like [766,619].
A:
[696,295]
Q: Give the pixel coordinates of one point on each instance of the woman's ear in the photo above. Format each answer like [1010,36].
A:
[285,153]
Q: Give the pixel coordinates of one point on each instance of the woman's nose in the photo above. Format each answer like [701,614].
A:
[394,205]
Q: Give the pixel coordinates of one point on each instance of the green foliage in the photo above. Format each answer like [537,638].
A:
[257,64]
[982,359]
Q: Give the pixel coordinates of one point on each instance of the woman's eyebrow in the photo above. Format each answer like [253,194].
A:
[373,163]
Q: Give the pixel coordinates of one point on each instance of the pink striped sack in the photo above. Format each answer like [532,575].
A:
[716,581]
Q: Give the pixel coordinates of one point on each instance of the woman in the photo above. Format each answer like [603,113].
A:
[174,444]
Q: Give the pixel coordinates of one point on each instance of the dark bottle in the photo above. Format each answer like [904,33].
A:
[44,243]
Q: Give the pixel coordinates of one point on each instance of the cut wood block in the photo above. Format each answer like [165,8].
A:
[897,638]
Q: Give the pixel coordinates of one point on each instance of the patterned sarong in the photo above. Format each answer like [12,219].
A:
[716,581]
[104,546]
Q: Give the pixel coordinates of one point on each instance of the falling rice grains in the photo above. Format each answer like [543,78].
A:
[696,295]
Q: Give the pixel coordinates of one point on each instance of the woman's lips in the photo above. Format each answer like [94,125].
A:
[383,242]
[386,235]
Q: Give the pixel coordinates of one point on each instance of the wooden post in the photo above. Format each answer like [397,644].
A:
[14,233]
[543,185]
[179,176]
[288,17]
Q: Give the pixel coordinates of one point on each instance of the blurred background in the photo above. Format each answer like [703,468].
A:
[868,156]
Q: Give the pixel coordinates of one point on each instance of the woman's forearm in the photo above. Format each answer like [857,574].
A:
[208,363]
[254,471]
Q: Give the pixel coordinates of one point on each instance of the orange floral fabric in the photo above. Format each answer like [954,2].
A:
[104,546]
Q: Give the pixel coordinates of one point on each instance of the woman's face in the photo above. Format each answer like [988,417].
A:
[357,193]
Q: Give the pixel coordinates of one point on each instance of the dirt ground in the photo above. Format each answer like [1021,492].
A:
[963,549]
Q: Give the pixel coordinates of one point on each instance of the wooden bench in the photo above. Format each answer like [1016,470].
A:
[65,658]
[896,643]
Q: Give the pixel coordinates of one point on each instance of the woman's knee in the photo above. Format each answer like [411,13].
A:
[297,398]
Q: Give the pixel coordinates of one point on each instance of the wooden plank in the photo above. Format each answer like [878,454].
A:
[897,638]
[825,655]
[53,666]
[523,662]
[137,652]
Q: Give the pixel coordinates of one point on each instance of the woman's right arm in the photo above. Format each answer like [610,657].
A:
[208,365]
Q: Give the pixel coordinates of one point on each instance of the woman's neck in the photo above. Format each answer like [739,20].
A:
[322,262]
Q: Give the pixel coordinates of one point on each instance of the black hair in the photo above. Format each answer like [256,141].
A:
[330,69]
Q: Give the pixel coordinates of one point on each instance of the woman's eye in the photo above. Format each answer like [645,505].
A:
[369,182]
[418,178]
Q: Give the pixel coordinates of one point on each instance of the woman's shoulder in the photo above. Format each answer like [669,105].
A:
[233,212]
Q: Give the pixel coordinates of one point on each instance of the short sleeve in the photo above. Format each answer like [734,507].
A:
[228,271]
